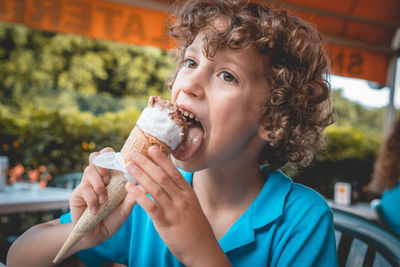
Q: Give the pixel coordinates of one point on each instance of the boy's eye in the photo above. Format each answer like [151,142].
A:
[190,63]
[227,77]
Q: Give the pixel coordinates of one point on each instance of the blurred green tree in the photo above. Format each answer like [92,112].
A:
[349,113]
[66,67]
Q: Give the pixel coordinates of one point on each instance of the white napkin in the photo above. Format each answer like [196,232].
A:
[113,161]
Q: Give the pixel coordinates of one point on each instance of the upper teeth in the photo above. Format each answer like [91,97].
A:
[188,114]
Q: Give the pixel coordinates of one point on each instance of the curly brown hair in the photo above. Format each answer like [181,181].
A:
[386,172]
[297,107]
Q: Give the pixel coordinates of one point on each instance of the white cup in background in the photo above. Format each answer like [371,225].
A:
[342,194]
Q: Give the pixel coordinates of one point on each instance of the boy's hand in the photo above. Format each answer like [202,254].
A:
[175,211]
[90,193]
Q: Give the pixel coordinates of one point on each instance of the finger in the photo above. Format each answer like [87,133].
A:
[166,164]
[158,174]
[92,176]
[151,207]
[95,154]
[89,196]
[106,149]
[77,204]
[149,185]
[92,156]
[104,173]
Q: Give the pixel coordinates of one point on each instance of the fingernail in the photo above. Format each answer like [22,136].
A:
[102,198]
[93,209]
[132,167]
[142,189]
[129,186]
[104,149]
[154,150]
[106,179]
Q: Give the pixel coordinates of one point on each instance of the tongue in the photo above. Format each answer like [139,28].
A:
[190,145]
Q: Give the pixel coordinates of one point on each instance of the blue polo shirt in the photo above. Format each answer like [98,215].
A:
[288,224]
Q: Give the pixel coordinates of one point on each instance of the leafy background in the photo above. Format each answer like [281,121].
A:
[63,96]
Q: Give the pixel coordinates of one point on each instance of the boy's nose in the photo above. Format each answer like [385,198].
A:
[193,91]
[193,86]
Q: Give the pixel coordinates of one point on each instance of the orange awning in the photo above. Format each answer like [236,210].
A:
[94,18]
[362,36]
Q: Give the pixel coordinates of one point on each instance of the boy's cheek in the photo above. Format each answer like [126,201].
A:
[174,94]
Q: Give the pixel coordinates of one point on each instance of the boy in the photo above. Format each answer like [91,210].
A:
[253,78]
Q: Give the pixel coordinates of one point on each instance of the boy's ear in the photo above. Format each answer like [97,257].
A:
[263,132]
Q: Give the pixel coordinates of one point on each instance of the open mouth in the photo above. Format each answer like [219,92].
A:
[191,119]
[193,139]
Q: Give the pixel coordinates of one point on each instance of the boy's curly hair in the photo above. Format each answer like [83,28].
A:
[386,172]
[297,107]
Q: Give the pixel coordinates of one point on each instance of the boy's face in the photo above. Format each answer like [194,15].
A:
[226,96]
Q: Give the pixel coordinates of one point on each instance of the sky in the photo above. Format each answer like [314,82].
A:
[359,91]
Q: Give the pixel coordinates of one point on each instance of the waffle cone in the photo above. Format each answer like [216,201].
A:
[137,140]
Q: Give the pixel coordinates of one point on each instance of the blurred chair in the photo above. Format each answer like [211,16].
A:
[361,242]
[69,180]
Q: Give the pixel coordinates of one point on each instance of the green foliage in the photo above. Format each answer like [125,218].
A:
[368,120]
[34,64]
[346,143]
[62,140]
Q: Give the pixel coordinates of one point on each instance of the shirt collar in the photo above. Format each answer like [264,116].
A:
[266,208]
[269,204]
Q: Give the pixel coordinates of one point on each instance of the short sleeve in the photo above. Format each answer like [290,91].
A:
[307,235]
[115,249]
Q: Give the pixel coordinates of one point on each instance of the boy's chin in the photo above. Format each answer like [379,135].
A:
[180,164]
[187,166]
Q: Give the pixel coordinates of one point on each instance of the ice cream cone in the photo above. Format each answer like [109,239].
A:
[138,140]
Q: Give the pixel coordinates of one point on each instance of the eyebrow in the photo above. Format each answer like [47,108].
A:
[250,71]
[229,59]
[235,61]
[239,64]
[191,48]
